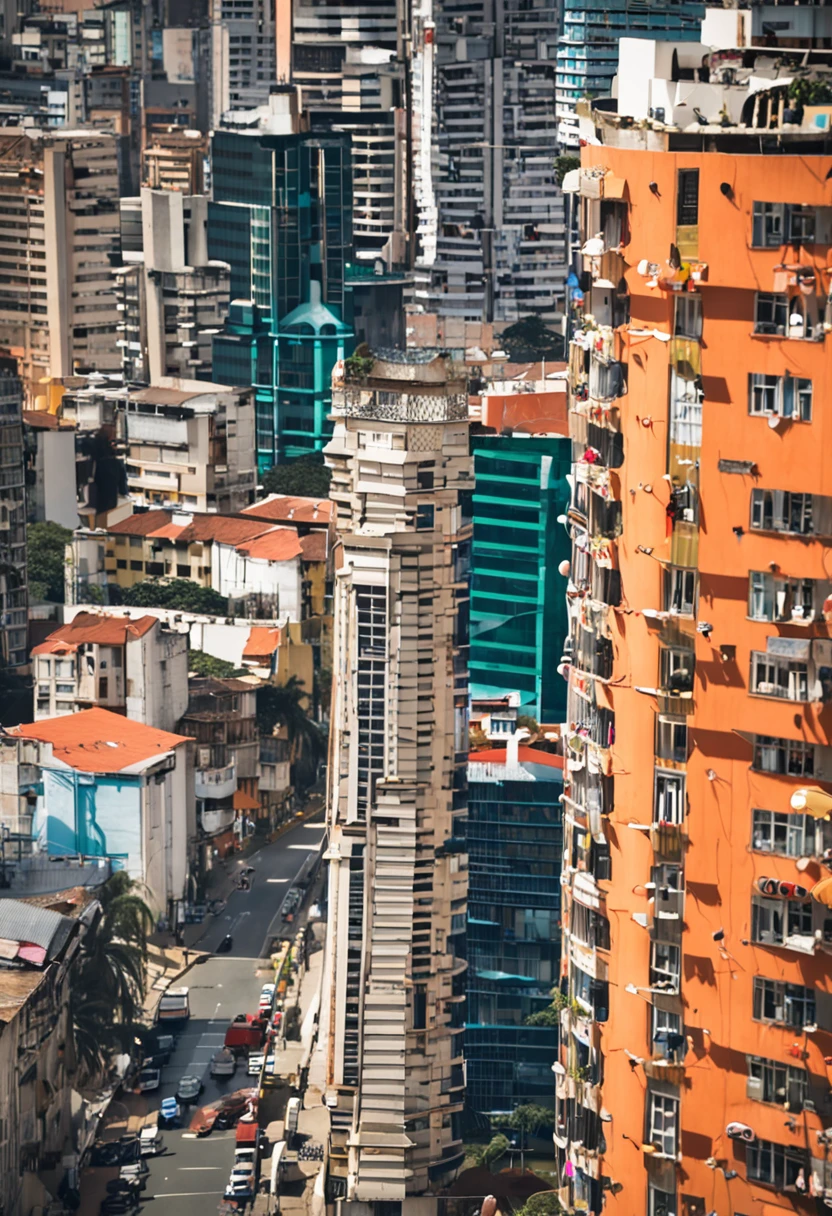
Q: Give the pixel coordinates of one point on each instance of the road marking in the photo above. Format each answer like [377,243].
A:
[316,827]
[182,1194]
[277,880]
[189,1136]
[308,848]
[197,1169]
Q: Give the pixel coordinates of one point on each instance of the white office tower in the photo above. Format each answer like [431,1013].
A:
[393,1004]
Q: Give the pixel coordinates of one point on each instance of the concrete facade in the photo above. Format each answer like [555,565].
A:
[393,1000]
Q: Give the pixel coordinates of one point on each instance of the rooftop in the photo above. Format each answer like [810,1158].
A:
[280,507]
[97,741]
[161,524]
[42,420]
[90,628]
[262,643]
[276,545]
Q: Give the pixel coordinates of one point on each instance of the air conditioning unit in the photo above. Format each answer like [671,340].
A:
[765,686]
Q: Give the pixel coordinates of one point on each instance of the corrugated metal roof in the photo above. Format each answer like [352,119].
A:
[22,922]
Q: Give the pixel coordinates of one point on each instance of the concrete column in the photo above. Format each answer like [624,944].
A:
[58,266]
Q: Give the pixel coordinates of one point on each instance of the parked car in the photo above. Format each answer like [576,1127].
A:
[169,1112]
[223,1064]
[241,1182]
[150,1141]
[148,1080]
[189,1089]
[268,990]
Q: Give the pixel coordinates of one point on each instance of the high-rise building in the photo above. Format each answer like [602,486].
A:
[696,1001]
[281,217]
[243,49]
[13,578]
[500,232]
[518,613]
[173,299]
[59,237]
[394,997]
[588,48]
[514,840]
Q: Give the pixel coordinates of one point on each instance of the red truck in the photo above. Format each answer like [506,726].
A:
[244,1036]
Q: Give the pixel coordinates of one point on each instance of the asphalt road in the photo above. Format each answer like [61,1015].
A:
[189,1177]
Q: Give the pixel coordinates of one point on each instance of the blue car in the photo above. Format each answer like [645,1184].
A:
[169,1112]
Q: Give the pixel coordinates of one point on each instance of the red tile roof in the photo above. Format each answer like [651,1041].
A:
[42,420]
[288,508]
[276,545]
[140,524]
[262,642]
[527,755]
[205,526]
[314,546]
[97,741]
[101,630]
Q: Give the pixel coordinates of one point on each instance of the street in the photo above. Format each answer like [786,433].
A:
[191,1174]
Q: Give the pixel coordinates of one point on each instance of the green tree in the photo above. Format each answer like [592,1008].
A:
[47,562]
[203,664]
[108,983]
[487,1155]
[286,705]
[531,1118]
[565,164]
[529,340]
[179,593]
[307,477]
[544,1203]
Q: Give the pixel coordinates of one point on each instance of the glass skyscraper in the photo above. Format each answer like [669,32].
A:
[281,216]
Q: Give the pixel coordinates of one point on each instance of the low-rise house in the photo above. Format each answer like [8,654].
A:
[135,667]
[42,1134]
[99,784]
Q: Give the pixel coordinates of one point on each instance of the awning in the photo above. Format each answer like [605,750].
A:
[245,802]
[571,182]
[615,187]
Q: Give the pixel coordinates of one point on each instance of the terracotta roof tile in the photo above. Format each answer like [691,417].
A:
[262,642]
[314,547]
[289,508]
[101,630]
[276,545]
[42,420]
[97,741]
[141,524]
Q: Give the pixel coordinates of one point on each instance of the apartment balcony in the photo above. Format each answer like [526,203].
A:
[216,783]
[213,822]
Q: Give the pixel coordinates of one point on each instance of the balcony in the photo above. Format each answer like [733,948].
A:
[216,783]
[214,822]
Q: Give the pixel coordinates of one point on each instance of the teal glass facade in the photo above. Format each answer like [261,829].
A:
[518,605]
[281,216]
[514,839]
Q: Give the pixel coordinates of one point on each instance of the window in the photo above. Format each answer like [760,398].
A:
[782,396]
[661,1203]
[687,317]
[779,599]
[801,224]
[685,410]
[424,516]
[774,921]
[788,1004]
[589,927]
[772,676]
[780,832]
[788,757]
[664,1123]
[680,588]
[773,1081]
[768,226]
[781,511]
[687,197]
[775,1165]
[664,967]
[102,688]
[669,797]
[671,738]
[582,987]
[424,478]
[666,1033]
[771,313]
[676,670]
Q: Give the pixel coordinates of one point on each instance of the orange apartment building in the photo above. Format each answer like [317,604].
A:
[696,998]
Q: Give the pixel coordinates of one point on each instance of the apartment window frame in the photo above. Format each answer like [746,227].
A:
[785,396]
[665,967]
[771,313]
[687,315]
[777,1080]
[660,1203]
[685,410]
[789,512]
[671,738]
[765,589]
[774,921]
[681,590]
[687,198]
[778,678]
[776,1165]
[791,1005]
[663,1124]
[669,796]
[664,1021]
[773,832]
[797,756]
[672,660]
[768,225]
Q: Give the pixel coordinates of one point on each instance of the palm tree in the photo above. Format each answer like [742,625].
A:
[108,986]
[286,704]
